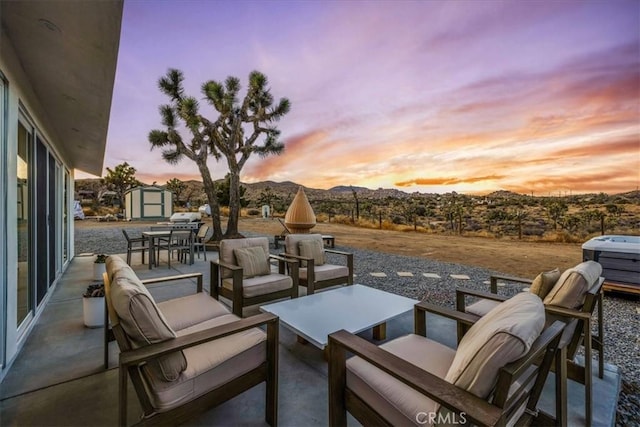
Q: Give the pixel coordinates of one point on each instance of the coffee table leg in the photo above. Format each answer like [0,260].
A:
[380,331]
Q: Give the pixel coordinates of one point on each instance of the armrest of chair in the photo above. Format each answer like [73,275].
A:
[461,293]
[349,257]
[292,264]
[538,347]
[421,308]
[568,313]
[214,279]
[477,410]
[152,351]
[198,276]
[333,251]
[493,280]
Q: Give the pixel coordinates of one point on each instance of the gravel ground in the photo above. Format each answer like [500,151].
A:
[621,314]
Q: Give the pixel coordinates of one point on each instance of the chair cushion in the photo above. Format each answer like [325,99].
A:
[228,245]
[254,261]
[210,365]
[311,249]
[261,285]
[181,313]
[481,307]
[544,282]
[115,263]
[143,322]
[291,242]
[503,335]
[326,272]
[400,403]
[573,284]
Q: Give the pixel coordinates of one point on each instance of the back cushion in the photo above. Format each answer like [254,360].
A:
[502,336]
[115,263]
[544,282]
[312,249]
[292,241]
[143,323]
[228,245]
[254,261]
[573,284]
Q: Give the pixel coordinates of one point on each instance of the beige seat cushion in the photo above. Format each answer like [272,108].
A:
[326,272]
[400,403]
[261,285]
[544,282]
[573,284]
[143,322]
[503,335]
[253,260]
[481,307]
[210,365]
[181,313]
[313,249]
[228,245]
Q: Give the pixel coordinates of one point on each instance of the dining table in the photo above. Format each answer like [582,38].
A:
[153,237]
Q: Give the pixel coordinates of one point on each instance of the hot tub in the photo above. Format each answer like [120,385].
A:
[619,257]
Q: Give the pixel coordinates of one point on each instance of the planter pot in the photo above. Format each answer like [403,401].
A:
[93,312]
[98,269]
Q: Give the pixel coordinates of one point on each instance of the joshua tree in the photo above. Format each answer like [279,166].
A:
[234,134]
[121,179]
[176,187]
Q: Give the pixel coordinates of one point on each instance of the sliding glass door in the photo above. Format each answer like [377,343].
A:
[24,223]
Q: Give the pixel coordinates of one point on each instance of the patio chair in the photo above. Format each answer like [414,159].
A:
[490,379]
[243,274]
[571,297]
[180,241]
[199,241]
[187,354]
[315,272]
[135,244]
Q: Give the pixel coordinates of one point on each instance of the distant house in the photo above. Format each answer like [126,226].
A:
[57,71]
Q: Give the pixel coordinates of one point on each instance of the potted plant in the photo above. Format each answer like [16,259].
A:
[99,266]
[93,306]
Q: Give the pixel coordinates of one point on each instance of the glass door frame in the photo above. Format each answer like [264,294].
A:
[4,112]
[23,325]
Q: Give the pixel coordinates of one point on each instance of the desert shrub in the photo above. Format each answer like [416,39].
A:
[560,237]
[397,219]
[253,212]
[532,230]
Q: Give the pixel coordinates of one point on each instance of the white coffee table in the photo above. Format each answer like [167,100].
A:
[353,308]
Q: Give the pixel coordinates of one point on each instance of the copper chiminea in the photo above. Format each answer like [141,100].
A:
[300,217]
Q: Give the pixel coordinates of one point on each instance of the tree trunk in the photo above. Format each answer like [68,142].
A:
[210,191]
[519,228]
[234,202]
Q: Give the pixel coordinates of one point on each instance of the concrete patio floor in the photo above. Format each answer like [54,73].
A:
[59,379]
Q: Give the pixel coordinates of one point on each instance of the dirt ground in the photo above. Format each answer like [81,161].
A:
[524,259]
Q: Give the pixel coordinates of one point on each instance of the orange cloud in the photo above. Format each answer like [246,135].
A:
[448,181]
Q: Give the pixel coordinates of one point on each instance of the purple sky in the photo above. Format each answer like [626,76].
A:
[467,96]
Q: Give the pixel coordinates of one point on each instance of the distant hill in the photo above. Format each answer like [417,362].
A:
[347,188]
[194,191]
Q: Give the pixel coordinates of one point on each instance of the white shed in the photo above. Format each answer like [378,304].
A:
[148,203]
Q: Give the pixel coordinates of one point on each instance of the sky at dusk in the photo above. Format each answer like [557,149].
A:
[429,96]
